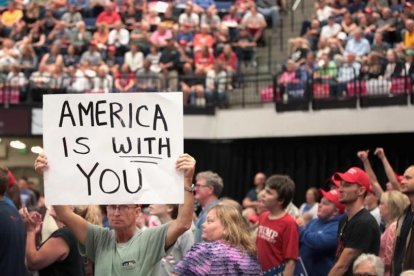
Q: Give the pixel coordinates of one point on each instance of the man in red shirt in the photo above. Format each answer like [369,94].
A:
[109,16]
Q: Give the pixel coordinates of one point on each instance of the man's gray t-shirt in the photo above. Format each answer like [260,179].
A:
[138,256]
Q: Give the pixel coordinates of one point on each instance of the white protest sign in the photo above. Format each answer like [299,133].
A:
[113,148]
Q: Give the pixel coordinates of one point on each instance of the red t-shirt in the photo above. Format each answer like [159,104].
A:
[277,241]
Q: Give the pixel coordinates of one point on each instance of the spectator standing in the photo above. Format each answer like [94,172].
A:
[166,213]
[358,231]
[12,234]
[309,209]
[125,249]
[277,238]
[208,188]
[318,238]
[251,200]
[403,258]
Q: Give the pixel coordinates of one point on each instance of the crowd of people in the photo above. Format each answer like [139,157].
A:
[82,46]
[352,47]
[353,226]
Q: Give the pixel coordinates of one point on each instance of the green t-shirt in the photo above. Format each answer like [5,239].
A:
[136,257]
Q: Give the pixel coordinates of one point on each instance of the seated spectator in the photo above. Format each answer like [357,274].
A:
[327,69]
[154,57]
[79,83]
[18,32]
[152,18]
[134,58]
[203,60]
[119,37]
[201,6]
[331,29]
[102,81]
[308,67]
[387,26]
[54,58]
[298,49]
[254,22]
[16,82]
[372,68]
[203,38]
[408,41]
[11,16]
[169,65]
[358,44]
[323,11]
[356,6]
[100,36]
[59,79]
[37,39]
[71,58]
[270,10]
[312,34]
[160,36]
[92,56]
[8,54]
[40,78]
[109,16]
[216,85]
[185,39]
[245,47]
[48,22]
[59,34]
[289,82]
[394,68]
[80,37]
[348,71]
[124,80]
[131,17]
[231,19]
[71,17]
[140,36]
[28,60]
[348,23]
[192,85]
[32,14]
[147,80]
[211,19]
[379,45]
[375,5]
[222,37]
[112,61]
[229,60]
[189,18]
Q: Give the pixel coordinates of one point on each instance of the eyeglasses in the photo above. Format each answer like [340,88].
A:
[120,208]
[200,185]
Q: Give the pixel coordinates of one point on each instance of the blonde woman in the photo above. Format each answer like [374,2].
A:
[228,248]
[392,205]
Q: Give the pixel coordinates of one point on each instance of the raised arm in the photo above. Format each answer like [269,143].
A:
[363,155]
[75,223]
[182,223]
[52,250]
[389,171]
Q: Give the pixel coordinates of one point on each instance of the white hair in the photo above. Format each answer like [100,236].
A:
[375,261]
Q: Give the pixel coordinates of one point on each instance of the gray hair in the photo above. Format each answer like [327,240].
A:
[407,273]
[375,261]
[213,180]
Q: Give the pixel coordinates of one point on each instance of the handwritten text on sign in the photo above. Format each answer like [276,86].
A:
[113,148]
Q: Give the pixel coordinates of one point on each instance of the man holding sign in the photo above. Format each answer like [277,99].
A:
[126,250]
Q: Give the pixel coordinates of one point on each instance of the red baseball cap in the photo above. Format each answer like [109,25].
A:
[12,179]
[333,196]
[355,176]
[399,177]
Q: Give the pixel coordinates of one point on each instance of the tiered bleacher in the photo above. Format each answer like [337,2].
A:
[100,46]
[351,49]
